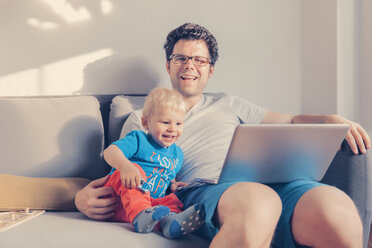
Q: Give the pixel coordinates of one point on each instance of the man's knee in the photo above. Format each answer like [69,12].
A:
[343,222]
[326,215]
[249,203]
[249,212]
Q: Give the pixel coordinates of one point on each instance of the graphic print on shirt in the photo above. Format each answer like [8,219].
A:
[162,174]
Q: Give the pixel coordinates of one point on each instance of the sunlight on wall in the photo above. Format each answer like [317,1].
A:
[106,7]
[67,12]
[21,84]
[63,77]
[42,25]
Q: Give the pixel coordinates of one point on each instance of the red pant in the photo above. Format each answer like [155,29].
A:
[133,201]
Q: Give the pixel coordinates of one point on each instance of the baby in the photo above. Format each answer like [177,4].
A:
[153,159]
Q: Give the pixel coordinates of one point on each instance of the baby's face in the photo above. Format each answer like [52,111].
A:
[165,126]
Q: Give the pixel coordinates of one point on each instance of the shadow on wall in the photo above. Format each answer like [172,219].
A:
[117,74]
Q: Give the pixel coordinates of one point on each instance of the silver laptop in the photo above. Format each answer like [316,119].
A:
[274,153]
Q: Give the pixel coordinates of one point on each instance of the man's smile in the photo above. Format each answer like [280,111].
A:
[188,77]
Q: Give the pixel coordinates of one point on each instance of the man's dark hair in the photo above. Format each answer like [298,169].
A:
[190,31]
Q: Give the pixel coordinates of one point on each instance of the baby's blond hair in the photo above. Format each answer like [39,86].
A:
[162,98]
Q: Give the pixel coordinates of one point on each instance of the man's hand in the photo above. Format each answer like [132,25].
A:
[131,178]
[175,185]
[95,201]
[355,137]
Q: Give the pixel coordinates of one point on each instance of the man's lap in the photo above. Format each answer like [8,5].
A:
[208,195]
[289,194]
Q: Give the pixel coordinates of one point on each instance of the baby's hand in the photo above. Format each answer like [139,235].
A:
[131,178]
[175,186]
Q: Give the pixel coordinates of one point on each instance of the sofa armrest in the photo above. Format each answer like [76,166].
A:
[352,174]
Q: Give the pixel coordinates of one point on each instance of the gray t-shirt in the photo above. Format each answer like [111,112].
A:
[208,128]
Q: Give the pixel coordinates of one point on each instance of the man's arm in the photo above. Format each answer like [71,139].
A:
[356,136]
[98,202]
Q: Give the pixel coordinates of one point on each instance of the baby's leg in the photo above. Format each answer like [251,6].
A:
[177,225]
[171,201]
[133,201]
[147,219]
[138,207]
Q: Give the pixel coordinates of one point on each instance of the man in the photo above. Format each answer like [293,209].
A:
[243,214]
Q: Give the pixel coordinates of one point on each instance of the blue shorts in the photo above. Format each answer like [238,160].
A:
[208,196]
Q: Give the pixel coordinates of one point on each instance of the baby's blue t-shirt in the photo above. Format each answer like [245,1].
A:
[161,164]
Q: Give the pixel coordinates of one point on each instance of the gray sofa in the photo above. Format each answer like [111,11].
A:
[63,137]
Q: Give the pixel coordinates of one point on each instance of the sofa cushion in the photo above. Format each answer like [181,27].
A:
[121,108]
[73,230]
[51,137]
[18,193]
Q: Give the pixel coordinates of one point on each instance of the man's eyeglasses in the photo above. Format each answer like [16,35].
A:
[198,61]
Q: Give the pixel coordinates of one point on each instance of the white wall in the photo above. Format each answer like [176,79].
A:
[365,53]
[289,55]
[319,56]
[336,58]
[77,48]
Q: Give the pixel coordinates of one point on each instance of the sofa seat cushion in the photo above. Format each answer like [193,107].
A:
[72,229]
